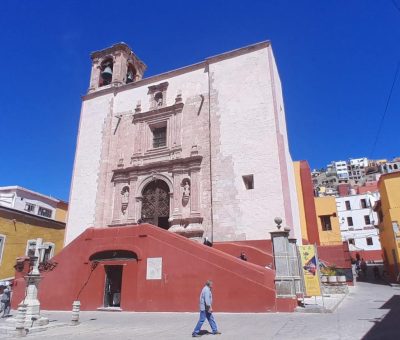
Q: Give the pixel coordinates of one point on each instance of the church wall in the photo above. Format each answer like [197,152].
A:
[86,166]
[248,137]
[288,177]
[244,143]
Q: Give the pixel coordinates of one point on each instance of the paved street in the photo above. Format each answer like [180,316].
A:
[370,311]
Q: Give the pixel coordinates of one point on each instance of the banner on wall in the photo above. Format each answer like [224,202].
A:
[309,265]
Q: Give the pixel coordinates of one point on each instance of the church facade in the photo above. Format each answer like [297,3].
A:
[201,151]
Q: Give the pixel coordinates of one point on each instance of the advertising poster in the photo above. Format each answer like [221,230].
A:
[310,270]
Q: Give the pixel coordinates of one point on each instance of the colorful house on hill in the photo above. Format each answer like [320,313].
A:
[388,209]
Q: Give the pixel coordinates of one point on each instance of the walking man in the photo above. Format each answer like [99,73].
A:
[6,302]
[206,310]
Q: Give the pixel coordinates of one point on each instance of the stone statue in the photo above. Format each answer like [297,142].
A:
[124,199]
[186,189]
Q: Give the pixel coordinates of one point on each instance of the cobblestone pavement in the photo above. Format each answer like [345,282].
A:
[370,311]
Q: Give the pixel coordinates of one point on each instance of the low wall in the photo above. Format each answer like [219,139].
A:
[239,286]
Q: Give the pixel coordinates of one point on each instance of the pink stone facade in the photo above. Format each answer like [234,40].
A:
[177,146]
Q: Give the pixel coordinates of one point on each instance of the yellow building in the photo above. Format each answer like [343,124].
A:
[19,232]
[318,215]
[328,221]
[388,209]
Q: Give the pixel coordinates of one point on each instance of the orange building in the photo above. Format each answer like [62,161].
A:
[388,209]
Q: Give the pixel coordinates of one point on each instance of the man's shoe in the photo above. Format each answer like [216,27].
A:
[217,333]
[195,335]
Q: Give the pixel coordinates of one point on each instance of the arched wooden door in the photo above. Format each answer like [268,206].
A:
[155,204]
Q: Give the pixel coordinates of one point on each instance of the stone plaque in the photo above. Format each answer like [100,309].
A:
[154,268]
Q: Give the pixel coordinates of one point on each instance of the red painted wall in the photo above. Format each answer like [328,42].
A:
[239,286]
[257,252]
[309,203]
[335,255]
[368,255]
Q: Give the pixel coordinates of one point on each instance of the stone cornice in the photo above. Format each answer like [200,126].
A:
[158,112]
[192,162]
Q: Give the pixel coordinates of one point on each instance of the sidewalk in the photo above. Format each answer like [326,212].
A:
[367,311]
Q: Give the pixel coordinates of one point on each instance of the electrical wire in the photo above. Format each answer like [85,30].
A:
[386,107]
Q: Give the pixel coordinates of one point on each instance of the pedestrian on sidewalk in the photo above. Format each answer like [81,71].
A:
[363,266]
[6,302]
[206,311]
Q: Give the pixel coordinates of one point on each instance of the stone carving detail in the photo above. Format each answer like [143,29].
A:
[186,191]
[124,199]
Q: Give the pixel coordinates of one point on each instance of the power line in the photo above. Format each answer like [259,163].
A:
[386,107]
[396,5]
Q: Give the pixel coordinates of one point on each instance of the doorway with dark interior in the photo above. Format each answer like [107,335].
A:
[155,204]
[113,284]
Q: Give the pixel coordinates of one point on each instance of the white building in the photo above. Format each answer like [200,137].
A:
[32,202]
[341,169]
[357,220]
[200,151]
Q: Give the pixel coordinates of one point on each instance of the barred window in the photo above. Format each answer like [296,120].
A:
[159,137]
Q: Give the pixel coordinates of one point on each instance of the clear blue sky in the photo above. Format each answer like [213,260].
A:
[337,60]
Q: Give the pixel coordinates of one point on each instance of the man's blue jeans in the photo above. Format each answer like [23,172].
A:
[203,316]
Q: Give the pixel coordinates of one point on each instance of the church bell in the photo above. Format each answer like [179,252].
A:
[107,73]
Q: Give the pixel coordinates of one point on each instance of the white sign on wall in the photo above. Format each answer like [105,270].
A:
[154,268]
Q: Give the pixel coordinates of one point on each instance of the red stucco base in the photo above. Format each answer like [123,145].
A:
[368,255]
[239,286]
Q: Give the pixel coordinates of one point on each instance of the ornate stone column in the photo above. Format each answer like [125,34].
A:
[194,193]
[95,76]
[117,202]
[132,201]
[138,210]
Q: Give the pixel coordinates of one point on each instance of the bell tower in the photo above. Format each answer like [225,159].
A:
[115,66]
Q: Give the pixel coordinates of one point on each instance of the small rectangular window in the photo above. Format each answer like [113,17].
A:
[350,221]
[2,241]
[369,241]
[364,203]
[44,212]
[30,248]
[367,219]
[29,207]
[351,241]
[248,181]
[326,222]
[159,137]
[48,251]
[348,206]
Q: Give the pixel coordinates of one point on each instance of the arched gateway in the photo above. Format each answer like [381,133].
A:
[155,203]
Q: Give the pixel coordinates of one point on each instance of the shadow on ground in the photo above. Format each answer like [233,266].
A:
[388,326]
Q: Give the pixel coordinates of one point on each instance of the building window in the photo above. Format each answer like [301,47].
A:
[44,212]
[351,241]
[29,207]
[348,206]
[2,241]
[248,181]
[326,222]
[159,137]
[30,248]
[367,219]
[48,251]
[369,241]
[364,203]
[350,221]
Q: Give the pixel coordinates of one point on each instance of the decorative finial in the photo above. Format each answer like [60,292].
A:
[278,222]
